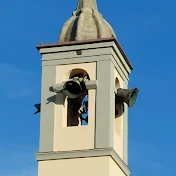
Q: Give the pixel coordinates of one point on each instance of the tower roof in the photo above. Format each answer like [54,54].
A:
[86,23]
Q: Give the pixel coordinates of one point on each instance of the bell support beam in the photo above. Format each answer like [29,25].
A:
[57,88]
[89,85]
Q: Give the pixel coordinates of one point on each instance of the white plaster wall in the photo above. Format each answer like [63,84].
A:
[114,169]
[119,123]
[78,137]
[93,166]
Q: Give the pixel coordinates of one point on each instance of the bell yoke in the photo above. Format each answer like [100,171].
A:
[73,88]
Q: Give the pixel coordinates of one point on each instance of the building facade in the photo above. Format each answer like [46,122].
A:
[95,141]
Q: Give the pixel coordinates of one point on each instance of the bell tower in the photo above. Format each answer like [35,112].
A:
[84,99]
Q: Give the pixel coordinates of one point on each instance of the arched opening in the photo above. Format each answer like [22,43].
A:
[119,107]
[77,110]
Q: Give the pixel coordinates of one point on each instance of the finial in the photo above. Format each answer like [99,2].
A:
[87,4]
[86,23]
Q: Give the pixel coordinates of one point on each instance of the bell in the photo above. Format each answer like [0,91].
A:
[128,96]
[38,107]
[119,108]
[72,88]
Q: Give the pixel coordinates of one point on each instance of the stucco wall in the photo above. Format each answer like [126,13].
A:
[75,137]
[93,166]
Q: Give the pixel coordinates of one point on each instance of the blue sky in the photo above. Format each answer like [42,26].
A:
[146,32]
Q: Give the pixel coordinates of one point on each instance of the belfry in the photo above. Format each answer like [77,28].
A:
[84,99]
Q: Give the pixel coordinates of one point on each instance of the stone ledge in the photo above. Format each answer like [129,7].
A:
[44,156]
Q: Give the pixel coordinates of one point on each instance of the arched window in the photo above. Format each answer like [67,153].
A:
[77,110]
[119,107]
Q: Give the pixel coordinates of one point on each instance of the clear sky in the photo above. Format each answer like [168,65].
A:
[146,31]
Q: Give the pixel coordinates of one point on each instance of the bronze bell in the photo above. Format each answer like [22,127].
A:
[38,107]
[74,87]
[128,96]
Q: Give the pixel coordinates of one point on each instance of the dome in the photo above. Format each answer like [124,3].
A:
[86,23]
